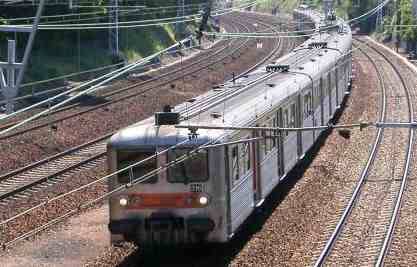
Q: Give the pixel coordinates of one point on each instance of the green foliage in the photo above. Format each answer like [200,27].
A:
[407,18]
[56,53]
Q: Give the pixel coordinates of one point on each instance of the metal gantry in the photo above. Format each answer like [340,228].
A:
[9,85]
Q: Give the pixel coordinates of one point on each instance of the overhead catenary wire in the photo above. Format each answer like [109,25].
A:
[101,81]
[137,180]
[300,32]
[77,88]
[196,149]
[128,24]
[66,87]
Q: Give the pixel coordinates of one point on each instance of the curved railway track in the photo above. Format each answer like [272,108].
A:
[363,232]
[28,180]
[204,61]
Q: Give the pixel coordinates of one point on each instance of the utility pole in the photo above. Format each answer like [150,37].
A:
[114,29]
[8,84]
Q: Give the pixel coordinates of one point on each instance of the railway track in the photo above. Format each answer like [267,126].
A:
[26,181]
[401,250]
[114,95]
[364,229]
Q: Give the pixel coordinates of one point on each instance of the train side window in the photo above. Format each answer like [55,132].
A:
[262,145]
[292,116]
[286,120]
[306,106]
[244,163]
[332,80]
[268,141]
[274,140]
[192,169]
[324,84]
[316,96]
[234,157]
[126,158]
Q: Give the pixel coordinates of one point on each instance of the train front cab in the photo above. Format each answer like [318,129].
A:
[179,206]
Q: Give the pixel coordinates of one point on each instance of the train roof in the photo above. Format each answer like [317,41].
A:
[244,101]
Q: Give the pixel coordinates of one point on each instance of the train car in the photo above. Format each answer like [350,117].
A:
[202,185]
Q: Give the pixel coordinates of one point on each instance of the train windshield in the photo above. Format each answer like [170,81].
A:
[126,158]
[193,169]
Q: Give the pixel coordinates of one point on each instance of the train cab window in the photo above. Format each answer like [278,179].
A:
[126,158]
[193,169]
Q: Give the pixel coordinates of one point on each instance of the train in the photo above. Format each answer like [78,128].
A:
[202,184]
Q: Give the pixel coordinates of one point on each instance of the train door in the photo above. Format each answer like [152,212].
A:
[321,95]
[229,185]
[337,86]
[280,144]
[299,124]
[256,166]
[313,107]
[241,189]
[329,92]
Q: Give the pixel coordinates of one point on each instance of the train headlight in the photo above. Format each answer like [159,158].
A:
[123,201]
[203,200]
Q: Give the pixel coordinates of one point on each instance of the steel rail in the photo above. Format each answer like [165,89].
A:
[331,241]
[395,214]
[408,155]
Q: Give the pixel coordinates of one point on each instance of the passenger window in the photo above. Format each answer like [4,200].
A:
[262,145]
[286,121]
[274,140]
[305,106]
[244,158]
[331,81]
[234,156]
[193,169]
[292,118]
[126,158]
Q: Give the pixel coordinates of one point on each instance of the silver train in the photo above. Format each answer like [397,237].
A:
[207,196]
